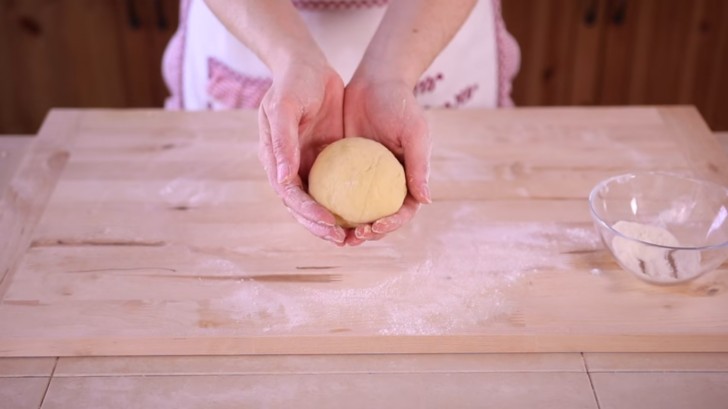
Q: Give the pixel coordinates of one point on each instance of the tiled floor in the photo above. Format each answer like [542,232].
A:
[644,381]
[606,381]
[524,389]
[24,381]
[705,390]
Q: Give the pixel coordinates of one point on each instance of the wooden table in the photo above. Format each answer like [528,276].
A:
[566,379]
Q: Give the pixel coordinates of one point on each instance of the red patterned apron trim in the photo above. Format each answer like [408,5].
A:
[508,57]
[462,97]
[338,4]
[232,89]
[428,84]
[173,61]
[184,14]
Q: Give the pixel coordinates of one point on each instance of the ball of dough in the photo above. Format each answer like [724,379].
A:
[358,180]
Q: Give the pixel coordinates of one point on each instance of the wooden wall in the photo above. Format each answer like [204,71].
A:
[107,53]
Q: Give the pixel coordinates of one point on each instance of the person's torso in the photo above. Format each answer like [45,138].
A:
[218,71]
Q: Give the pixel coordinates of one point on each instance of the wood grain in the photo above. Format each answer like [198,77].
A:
[560,54]
[59,54]
[23,202]
[143,47]
[160,236]
[717,101]
[80,53]
[12,152]
[661,52]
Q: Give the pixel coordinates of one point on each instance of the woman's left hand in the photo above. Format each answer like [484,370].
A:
[387,112]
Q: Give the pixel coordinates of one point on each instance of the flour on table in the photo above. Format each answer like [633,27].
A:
[462,280]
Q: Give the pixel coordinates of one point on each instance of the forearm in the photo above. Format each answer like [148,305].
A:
[272,29]
[410,36]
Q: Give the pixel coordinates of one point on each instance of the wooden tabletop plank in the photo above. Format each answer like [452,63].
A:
[23,202]
[158,235]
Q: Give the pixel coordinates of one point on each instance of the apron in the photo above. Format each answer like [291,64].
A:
[206,67]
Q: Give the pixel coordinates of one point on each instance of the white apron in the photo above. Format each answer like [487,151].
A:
[206,67]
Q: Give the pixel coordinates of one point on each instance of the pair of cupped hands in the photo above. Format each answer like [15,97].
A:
[308,107]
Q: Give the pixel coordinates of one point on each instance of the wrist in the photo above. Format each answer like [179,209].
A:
[293,56]
[376,69]
[364,79]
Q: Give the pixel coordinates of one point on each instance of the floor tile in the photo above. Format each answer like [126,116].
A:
[502,390]
[218,365]
[18,367]
[22,393]
[659,362]
[666,390]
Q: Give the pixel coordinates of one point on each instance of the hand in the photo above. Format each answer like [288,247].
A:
[300,114]
[387,111]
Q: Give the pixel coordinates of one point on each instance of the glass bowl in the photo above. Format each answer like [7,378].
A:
[664,228]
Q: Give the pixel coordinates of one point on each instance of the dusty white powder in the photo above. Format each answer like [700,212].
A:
[460,281]
[653,262]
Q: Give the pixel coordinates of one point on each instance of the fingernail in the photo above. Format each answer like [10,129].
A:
[380,227]
[325,223]
[333,239]
[340,234]
[361,233]
[282,172]
[426,193]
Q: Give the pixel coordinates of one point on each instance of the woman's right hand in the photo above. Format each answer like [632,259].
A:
[302,111]
[300,114]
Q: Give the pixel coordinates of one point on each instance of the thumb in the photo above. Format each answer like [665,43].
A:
[417,149]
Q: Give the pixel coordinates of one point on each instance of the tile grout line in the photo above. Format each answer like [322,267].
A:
[591,383]
[48,385]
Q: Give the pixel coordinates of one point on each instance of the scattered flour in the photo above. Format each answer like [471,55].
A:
[459,281]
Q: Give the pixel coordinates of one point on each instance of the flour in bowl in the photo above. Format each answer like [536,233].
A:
[653,262]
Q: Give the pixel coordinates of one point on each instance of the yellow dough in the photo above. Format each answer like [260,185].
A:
[358,180]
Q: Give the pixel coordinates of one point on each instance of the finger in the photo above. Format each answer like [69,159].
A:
[265,150]
[417,149]
[283,121]
[367,234]
[364,232]
[291,192]
[314,217]
[334,234]
[352,240]
[385,225]
[301,203]
[404,215]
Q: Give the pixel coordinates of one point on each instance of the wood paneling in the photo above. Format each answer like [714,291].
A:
[79,53]
[87,53]
[146,30]
[63,53]
[637,52]
[559,50]
[716,107]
